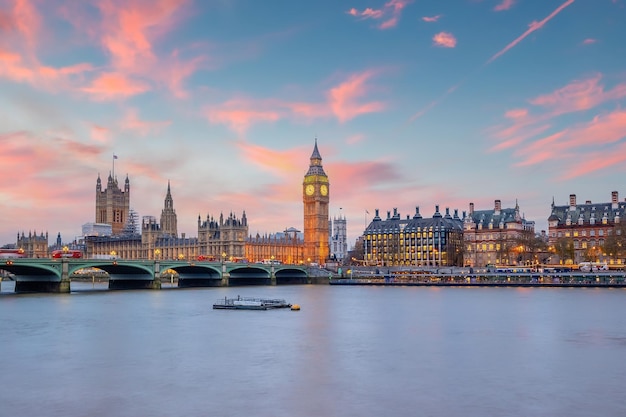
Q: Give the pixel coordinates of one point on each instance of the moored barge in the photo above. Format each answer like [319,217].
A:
[246,303]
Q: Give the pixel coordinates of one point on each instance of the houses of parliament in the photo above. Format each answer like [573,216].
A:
[222,238]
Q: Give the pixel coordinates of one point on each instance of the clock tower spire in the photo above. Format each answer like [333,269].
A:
[315,196]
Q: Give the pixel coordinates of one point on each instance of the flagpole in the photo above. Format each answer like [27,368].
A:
[113,167]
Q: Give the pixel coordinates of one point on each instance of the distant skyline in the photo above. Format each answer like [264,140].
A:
[413,103]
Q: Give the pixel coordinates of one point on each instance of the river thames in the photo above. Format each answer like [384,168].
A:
[350,351]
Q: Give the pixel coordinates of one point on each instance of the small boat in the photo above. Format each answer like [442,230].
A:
[244,303]
[295,307]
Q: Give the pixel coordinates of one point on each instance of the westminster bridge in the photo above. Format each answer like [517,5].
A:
[55,275]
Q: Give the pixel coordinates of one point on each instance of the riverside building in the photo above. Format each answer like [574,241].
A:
[583,232]
[493,236]
[225,238]
[414,241]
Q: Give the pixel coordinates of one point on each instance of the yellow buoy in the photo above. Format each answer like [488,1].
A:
[295,307]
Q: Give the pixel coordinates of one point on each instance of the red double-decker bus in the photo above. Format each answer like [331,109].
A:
[67,253]
[12,253]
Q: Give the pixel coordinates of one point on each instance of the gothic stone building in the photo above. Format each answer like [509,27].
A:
[225,238]
[112,204]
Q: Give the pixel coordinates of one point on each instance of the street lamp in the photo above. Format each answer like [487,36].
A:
[181,257]
[157,253]
[113,254]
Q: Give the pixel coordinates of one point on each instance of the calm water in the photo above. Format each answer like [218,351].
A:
[350,351]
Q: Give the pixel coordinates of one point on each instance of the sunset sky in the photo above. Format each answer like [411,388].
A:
[413,103]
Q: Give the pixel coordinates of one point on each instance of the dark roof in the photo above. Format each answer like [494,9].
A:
[396,224]
[586,212]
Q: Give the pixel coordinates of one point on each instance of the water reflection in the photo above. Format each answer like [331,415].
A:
[350,351]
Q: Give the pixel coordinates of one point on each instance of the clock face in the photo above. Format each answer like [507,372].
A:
[324,189]
[309,189]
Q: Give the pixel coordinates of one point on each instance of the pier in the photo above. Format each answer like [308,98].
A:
[609,279]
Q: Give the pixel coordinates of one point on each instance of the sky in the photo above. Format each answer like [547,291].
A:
[413,103]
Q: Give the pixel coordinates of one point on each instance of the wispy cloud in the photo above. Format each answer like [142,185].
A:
[111,86]
[533,140]
[133,123]
[504,5]
[444,39]
[589,41]
[239,114]
[279,162]
[21,26]
[389,13]
[344,101]
[431,18]
[532,27]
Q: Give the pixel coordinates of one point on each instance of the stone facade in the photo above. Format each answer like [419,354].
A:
[316,197]
[219,239]
[585,228]
[112,204]
[286,247]
[338,230]
[493,236]
[34,245]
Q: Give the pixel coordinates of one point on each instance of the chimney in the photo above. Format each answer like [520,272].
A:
[497,207]
[572,202]
[471,210]
[614,200]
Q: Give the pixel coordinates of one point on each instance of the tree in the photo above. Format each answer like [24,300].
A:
[357,252]
[564,247]
[615,243]
[530,245]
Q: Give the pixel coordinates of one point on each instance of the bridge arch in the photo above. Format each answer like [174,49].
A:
[196,275]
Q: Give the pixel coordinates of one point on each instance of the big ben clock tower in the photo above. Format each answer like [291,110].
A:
[315,190]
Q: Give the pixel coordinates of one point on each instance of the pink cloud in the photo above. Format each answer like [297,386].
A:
[431,18]
[516,113]
[390,12]
[517,134]
[131,27]
[589,41]
[597,161]
[27,21]
[100,133]
[533,27]
[343,99]
[112,86]
[504,5]
[355,139]
[132,122]
[22,27]
[580,95]
[444,39]
[283,162]
[529,135]
[239,114]
[130,32]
